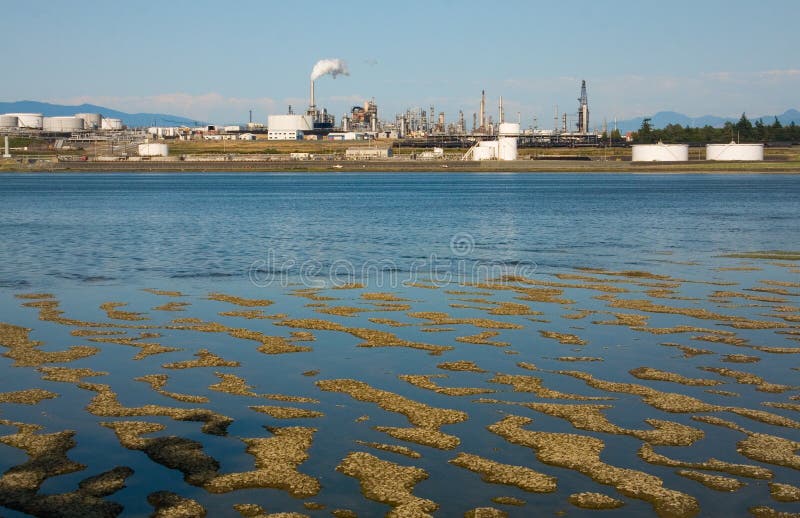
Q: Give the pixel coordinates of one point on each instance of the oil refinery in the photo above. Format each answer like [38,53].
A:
[490,136]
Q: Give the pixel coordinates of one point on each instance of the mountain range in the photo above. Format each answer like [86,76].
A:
[661,119]
[131,120]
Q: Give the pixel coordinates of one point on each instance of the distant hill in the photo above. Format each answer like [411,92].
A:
[129,119]
[661,119]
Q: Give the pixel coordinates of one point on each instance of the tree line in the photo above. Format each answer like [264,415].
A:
[742,131]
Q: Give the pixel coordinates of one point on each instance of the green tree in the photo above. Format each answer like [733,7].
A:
[744,128]
[645,133]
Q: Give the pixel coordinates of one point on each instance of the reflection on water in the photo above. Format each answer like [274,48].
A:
[631,367]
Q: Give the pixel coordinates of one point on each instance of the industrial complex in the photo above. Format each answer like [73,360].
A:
[488,137]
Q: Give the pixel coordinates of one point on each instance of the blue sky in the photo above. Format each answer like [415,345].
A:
[216,60]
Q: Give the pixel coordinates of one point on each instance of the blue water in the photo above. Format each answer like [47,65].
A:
[94,238]
[133,228]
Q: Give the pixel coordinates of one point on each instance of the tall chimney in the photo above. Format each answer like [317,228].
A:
[482,116]
[312,108]
[502,115]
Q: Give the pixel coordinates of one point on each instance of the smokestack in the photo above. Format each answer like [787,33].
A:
[312,105]
[502,118]
[6,154]
[482,117]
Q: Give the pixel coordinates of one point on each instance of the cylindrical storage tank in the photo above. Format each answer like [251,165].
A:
[90,120]
[153,150]
[510,129]
[734,151]
[9,121]
[28,120]
[661,152]
[62,124]
[111,124]
[507,147]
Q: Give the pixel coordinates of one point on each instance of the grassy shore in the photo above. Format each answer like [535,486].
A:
[263,155]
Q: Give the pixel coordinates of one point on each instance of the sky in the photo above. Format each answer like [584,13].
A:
[215,61]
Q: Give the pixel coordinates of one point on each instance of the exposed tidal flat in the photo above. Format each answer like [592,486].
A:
[243,345]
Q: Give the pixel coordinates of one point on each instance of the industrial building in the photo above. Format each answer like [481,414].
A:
[289,127]
[366,153]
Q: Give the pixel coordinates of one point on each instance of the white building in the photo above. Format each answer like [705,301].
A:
[288,127]
[365,153]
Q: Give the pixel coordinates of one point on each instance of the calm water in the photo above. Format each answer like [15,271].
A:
[133,229]
[95,238]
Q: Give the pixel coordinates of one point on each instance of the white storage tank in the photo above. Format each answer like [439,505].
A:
[661,152]
[734,151]
[28,120]
[90,120]
[9,121]
[153,150]
[507,141]
[62,124]
[111,124]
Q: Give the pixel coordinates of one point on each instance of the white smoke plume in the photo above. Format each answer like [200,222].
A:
[333,67]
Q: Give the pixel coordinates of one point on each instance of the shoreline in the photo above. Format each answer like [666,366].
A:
[418,166]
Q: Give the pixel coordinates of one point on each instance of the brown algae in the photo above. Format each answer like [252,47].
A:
[172,306]
[649,373]
[460,365]
[204,359]
[563,338]
[784,492]
[286,412]
[26,352]
[443,319]
[715,482]
[164,293]
[393,448]
[158,381]
[27,397]
[427,419]
[498,473]
[232,384]
[388,483]
[482,338]
[239,301]
[170,505]
[648,454]
[371,337]
[19,485]
[535,385]
[508,500]
[594,501]
[426,382]
[113,313]
[106,404]
[582,454]
[68,375]
[276,462]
